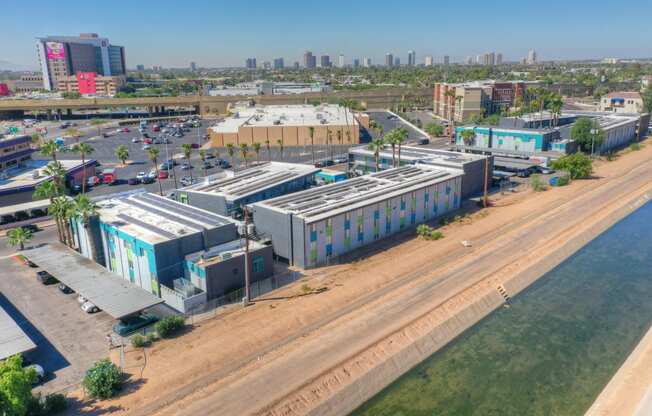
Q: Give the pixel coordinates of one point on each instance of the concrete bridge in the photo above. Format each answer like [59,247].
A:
[382,98]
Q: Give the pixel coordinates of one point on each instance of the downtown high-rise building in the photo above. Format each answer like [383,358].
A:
[64,56]
[340,61]
[250,63]
[532,57]
[356,63]
[309,60]
[366,62]
[428,60]
[325,61]
[140,67]
[193,66]
[389,59]
[412,58]
[397,61]
[278,63]
[447,60]
[499,59]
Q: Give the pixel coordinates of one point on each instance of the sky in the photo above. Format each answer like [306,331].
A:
[217,33]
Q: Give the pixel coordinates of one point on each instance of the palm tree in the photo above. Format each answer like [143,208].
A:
[311,131]
[467,136]
[256,147]
[153,153]
[401,135]
[85,210]
[202,157]
[230,150]
[83,149]
[57,172]
[244,150]
[18,237]
[50,148]
[280,147]
[61,210]
[49,190]
[390,138]
[122,153]
[376,146]
[187,150]
[329,142]
[269,153]
[348,136]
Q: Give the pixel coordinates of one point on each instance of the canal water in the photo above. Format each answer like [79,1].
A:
[553,350]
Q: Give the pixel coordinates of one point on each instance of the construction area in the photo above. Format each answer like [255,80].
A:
[344,332]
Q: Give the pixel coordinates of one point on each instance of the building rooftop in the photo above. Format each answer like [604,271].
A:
[624,94]
[30,173]
[322,202]
[153,218]
[222,252]
[286,115]
[253,180]
[423,154]
[13,339]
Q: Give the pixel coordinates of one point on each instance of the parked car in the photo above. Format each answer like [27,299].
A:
[210,156]
[141,175]
[194,145]
[423,141]
[147,140]
[126,326]
[93,181]
[152,174]
[6,219]
[45,278]
[37,213]
[31,227]
[223,164]
[81,300]
[163,174]
[187,181]
[135,140]
[21,215]
[89,307]
[146,147]
[133,181]
[147,180]
[186,166]
[207,165]
[65,289]
[125,130]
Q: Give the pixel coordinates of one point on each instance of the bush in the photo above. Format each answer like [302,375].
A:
[55,403]
[563,180]
[169,325]
[578,165]
[103,380]
[635,146]
[139,341]
[151,337]
[429,233]
[537,183]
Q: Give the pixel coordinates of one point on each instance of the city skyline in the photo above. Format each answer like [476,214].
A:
[153,36]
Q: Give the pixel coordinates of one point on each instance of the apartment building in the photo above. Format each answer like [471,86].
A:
[91,83]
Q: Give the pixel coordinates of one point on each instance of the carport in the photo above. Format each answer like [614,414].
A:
[114,295]
[13,339]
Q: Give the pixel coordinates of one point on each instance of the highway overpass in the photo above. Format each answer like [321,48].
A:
[382,98]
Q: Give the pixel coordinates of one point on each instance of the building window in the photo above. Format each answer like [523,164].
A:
[258,264]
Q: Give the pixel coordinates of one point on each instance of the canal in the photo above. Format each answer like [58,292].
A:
[553,350]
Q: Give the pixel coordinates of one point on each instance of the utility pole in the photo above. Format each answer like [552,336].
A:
[594,132]
[485,199]
[247,297]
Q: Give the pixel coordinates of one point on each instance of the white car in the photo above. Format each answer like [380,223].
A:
[152,174]
[141,175]
[81,299]
[89,307]
[135,140]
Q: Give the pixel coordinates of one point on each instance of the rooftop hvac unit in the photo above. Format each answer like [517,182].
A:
[323,121]
[250,229]
[319,116]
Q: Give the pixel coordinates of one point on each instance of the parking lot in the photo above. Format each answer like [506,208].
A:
[68,340]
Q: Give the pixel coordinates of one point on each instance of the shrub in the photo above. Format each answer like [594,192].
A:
[151,337]
[169,325]
[305,288]
[55,403]
[537,183]
[635,146]
[139,341]
[611,156]
[578,165]
[429,233]
[103,380]
[563,180]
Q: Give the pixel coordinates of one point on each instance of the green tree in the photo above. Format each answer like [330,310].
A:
[187,150]
[70,95]
[15,386]
[244,152]
[18,237]
[61,209]
[85,210]
[256,148]
[230,150]
[578,165]
[202,157]
[269,150]
[467,136]
[49,190]
[434,129]
[83,150]
[588,134]
[103,380]
[57,172]
[153,154]
[281,147]
[51,148]
[311,132]
[376,146]
[122,153]
[647,99]
[400,136]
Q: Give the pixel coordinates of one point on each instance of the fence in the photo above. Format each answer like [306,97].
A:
[259,288]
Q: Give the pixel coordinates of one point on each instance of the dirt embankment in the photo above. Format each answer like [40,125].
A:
[299,355]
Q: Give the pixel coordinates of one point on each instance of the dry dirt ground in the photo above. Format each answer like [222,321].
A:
[254,360]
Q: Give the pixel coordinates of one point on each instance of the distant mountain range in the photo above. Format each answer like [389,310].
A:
[10,66]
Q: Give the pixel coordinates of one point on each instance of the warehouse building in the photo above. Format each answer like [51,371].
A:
[144,238]
[509,140]
[362,161]
[289,124]
[312,227]
[226,196]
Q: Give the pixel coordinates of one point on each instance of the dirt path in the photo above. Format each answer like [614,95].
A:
[242,363]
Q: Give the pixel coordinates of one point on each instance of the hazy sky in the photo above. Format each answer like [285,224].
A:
[224,33]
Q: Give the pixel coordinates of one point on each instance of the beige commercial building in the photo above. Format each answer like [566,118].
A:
[104,86]
[290,125]
[622,102]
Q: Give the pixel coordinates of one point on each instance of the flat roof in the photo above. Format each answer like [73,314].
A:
[253,180]
[286,115]
[30,173]
[153,218]
[27,206]
[222,252]
[325,201]
[116,296]
[13,340]
[425,154]
[514,163]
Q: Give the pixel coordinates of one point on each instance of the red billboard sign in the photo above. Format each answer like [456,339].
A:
[4,89]
[55,50]
[86,82]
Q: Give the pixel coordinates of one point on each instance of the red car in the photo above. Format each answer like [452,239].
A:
[155,128]
[125,130]
[147,141]
[162,174]
[194,145]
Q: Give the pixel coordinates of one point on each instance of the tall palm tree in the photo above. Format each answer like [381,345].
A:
[187,150]
[269,152]
[348,136]
[329,142]
[153,153]
[50,148]
[85,210]
[83,149]
[256,147]
[18,237]
[280,147]
[230,150]
[49,190]
[390,138]
[202,157]
[122,153]
[57,172]
[311,132]
[244,150]
[61,210]
[376,146]
[401,136]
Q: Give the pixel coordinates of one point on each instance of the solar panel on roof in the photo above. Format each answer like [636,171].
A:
[163,214]
[146,226]
[186,210]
